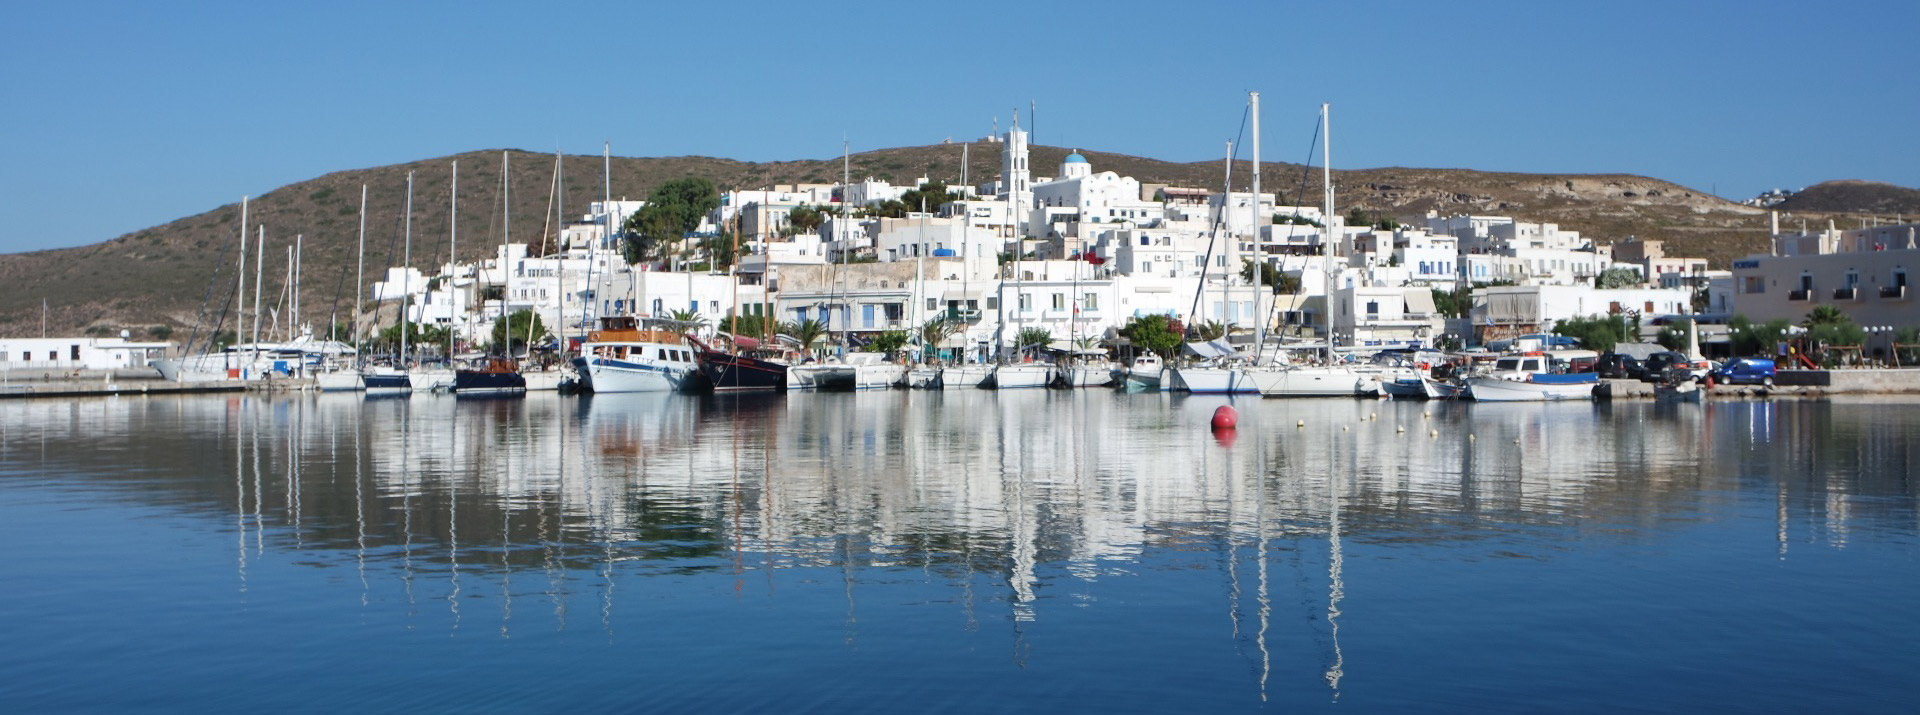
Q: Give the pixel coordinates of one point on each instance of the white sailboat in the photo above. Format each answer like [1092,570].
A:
[1331,378]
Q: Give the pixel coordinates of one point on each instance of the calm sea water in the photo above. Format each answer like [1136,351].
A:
[964,552]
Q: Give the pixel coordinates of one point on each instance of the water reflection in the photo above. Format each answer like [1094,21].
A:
[1011,509]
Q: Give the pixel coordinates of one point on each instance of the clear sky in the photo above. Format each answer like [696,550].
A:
[119,116]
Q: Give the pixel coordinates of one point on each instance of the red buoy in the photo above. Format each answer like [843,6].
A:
[1226,417]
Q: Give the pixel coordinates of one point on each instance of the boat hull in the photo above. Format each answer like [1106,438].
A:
[602,374]
[957,377]
[1491,389]
[469,382]
[1335,381]
[1213,381]
[1021,377]
[727,372]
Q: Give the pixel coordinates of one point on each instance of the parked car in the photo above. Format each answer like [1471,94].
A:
[1746,371]
[1619,366]
[1657,366]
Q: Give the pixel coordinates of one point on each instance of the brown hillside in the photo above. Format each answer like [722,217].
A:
[1854,197]
[161,275]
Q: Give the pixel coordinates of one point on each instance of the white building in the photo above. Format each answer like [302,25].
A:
[1867,273]
[78,353]
[1509,311]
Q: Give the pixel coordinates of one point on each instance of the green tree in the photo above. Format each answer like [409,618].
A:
[1599,333]
[1673,335]
[745,324]
[932,195]
[1295,220]
[1153,332]
[1750,338]
[805,219]
[1271,277]
[891,208]
[889,342]
[1617,278]
[1454,303]
[1032,339]
[1829,327]
[520,323]
[807,332]
[675,209]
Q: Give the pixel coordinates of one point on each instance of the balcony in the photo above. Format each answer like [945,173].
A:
[963,315]
[1846,294]
[1893,292]
[1800,295]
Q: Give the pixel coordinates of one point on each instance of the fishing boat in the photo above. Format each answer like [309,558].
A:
[1145,374]
[1530,377]
[624,356]
[736,370]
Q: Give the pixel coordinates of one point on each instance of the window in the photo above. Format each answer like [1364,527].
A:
[76,353]
[866,316]
[713,306]
[1025,302]
[1806,282]
[933,304]
[1373,309]
[1753,284]
[1900,278]
[1649,307]
[800,314]
[1091,301]
[3,356]
[993,303]
[1059,301]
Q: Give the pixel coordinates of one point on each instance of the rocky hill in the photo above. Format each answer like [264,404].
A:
[1854,197]
[161,276]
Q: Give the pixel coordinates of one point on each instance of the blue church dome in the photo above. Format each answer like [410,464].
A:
[1076,158]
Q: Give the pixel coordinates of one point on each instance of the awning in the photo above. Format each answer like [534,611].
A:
[1420,302]
[1211,349]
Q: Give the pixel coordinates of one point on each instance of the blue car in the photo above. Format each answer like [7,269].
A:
[1746,371]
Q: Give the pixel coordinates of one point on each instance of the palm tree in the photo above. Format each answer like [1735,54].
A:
[1823,314]
[690,321]
[1207,330]
[807,332]
[934,332]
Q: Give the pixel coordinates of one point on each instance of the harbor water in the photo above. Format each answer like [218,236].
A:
[956,551]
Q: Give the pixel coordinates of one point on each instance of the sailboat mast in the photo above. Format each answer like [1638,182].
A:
[298,240]
[506,276]
[846,234]
[1259,250]
[259,275]
[453,247]
[406,274]
[360,277]
[240,293]
[1326,217]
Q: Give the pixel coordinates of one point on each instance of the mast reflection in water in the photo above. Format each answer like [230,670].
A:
[971,551]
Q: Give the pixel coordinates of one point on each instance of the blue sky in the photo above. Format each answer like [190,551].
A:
[119,116]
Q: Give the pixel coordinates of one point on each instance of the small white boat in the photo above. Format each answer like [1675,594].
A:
[1146,374]
[1091,370]
[1530,378]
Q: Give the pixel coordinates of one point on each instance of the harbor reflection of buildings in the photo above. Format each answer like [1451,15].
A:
[1039,490]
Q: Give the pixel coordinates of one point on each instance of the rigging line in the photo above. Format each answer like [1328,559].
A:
[1214,233]
[208,298]
[1306,175]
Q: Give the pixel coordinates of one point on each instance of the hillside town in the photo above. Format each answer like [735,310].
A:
[1075,257]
